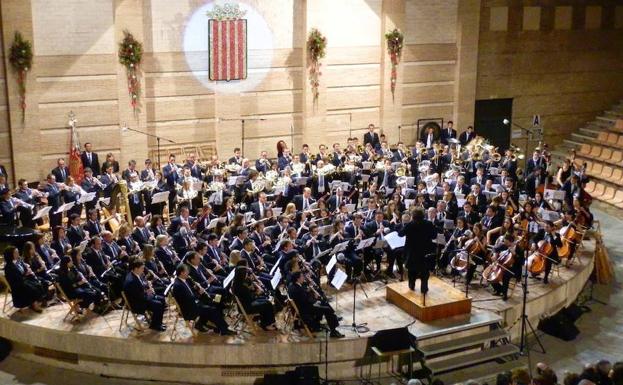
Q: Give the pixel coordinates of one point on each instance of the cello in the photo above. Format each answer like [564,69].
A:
[495,271]
[536,261]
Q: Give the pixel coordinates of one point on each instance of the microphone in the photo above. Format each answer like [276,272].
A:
[506,121]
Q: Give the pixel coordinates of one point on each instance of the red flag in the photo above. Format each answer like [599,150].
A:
[228,49]
[76,169]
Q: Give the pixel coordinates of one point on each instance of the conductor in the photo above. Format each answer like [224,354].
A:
[420,234]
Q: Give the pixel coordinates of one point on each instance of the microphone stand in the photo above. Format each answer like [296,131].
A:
[242,121]
[525,322]
[362,327]
[158,138]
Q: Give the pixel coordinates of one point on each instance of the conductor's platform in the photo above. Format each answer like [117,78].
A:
[442,300]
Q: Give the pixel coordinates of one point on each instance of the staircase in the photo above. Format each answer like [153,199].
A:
[599,144]
[466,347]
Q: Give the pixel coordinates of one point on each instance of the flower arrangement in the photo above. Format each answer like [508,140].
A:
[226,12]
[395,40]
[316,46]
[20,57]
[130,54]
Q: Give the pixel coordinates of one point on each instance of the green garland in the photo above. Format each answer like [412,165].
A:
[395,40]
[130,55]
[316,46]
[20,57]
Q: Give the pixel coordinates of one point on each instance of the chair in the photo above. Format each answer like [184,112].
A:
[608,194]
[617,198]
[595,152]
[74,304]
[243,316]
[602,137]
[618,125]
[617,157]
[599,190]
[596,170]
[296,315]
[606,154]
[612,139]
[606,172]
[190,324]
[617,176]
[620,141]
[585,149]
[7,292]
[590,187]
[125,313]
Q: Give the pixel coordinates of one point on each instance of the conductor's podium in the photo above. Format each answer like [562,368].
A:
[442,300]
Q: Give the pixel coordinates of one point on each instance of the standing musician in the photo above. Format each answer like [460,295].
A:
[551,237]
[509,249]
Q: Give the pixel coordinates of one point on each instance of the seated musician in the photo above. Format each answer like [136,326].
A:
[549,235]
[204,277]
[45,251]
[60,243]
[90,184]
[125,241]
[452,243]
[92,224]
[262,241]
[111,248]
[183,241]
[192,308]
[495,235]
[75,233]
[167,257]
[76,286]
[95,256]
[474,240]
[255,261]
[183,219]
[304,201]
[83,267]
[141,234]
[203,221]
[312,243]
[471,217]
[141,296]
[27,289]
[36,263]
[156,226]
[311,308]
[251,296]
[213,256]
[377,228]
[513,271]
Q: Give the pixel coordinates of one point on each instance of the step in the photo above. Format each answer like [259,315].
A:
[618,114]
[602,123]
[482,374]
[581,138]
[464,342]
[472,358]
[606,119]
[572,143]
[589,132]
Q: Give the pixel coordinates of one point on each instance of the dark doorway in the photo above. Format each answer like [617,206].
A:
[488,121]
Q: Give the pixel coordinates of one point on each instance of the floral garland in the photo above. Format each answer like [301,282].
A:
[395,41]
[20,57]
[226,12]
[316,45]
[130,54]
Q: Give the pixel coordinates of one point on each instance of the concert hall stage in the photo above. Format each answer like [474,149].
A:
[96,345]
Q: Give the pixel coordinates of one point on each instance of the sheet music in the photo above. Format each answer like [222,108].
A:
[277,211]
[340,247]
[302,181]
[461,202]
[365,243]
[338,279]
[331,264]
[88,197]
[160,197]
[394,240]
[272,271]
[214,222]
[350,207]
[65,207]
[274,281]
[229,278]
[42,212]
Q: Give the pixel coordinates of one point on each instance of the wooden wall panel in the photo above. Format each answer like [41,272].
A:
[352,55]
[199,130]
[274,102]
[104,139]
[179,107]
[429,52]
[77,88]
[351,75]
[430,72]
[357,119]
[353,97]
[64,65]
[428,93]
[88,114]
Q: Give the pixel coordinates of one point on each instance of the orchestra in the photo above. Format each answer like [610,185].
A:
[463,207]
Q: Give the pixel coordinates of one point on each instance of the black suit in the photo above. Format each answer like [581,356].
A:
[192,308]
[445,135]
[419,243]
[465,137]
[61,174]
[93,163]
[311,310]
[140,301]
[373,139]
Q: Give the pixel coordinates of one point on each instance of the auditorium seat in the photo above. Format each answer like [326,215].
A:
[606,153]
[590,187]
[617,176]
[617,199]
[612,139]
[606,172]
[620,142]
[599,190]
[595,151]
[602,137]
[597,168]
[609,193]
[585,149]
[617,157]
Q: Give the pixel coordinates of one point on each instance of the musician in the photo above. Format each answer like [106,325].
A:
[90,184]
[467,135]
[337,200]
[72,193]
[448,133]
[311,308]
[109,180]
[303,202]
[87,272]
[111,162]
[3,182]
[371,137]
[250,296]
[572,189]
[54,200]
[148,173]
[8,209]
[477,237]
[536,162]
[386,179]
[320,181]
[141,296]
[30,199]
[171,173]
[262,164]
[36,263]
[514,271]
[75,233]
[60,172]
[284,160]
[551,236]
[418,244]
[127,173]
[141,234]
[237,158]
[193,165]
[110,247]
[26,289]
[192,308]
[96,258]
[469,215]
[305,155]
[428,137]
[480,178]
[377,228]
[45,251]
[92,224]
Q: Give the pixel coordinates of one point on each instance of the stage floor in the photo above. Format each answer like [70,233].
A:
[96,345]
